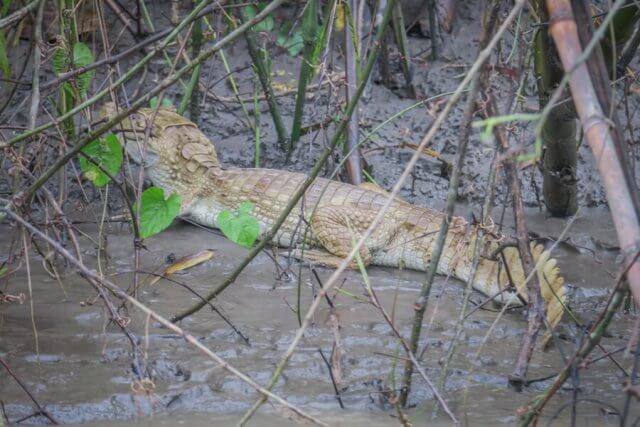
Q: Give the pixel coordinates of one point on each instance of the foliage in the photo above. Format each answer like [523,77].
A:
[82,57]
[166,102]
[107,153]
[249,12]
[5,67]
[291,40]
[156,212]
[240,228]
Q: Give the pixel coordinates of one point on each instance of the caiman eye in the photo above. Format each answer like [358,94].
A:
[139,122]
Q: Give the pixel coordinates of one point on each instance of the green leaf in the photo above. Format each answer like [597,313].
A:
[82,56]
[5,67]
[5,8]
[293,43]
[107,152]
[310,25]
[156,212]
[3,269]
[166,102]
[267,24]
[60,60]
[240,228]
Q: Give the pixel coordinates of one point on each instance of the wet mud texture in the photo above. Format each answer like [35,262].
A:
[83,370]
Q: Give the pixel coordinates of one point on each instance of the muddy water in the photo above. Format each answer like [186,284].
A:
[82,369]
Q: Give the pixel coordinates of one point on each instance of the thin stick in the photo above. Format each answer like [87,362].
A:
[28,393]
[263,72]
[18,14]
[354,163]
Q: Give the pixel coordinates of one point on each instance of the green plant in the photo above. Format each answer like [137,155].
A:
[153,102]
[106,153]
[249,12]
[240,228]
[291,39]
[5,65]
[156,211]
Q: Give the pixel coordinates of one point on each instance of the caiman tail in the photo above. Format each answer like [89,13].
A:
[510,270]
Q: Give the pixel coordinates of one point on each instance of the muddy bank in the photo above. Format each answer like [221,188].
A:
[82,370]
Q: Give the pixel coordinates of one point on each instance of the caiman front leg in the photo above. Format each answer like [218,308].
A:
[337,229]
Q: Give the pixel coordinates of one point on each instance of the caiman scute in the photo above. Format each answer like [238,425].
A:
[180,159]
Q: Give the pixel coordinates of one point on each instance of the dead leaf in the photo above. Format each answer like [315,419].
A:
[185,263]
[338,352]
[428,152]
[446,10]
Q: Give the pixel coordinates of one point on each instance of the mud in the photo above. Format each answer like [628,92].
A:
[82,370]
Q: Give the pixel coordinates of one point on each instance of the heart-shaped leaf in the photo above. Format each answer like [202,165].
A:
[267,24]
[107,152]
[82,56]
[156,212]
[240,228]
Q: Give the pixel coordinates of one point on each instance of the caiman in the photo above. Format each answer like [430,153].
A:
[180,159]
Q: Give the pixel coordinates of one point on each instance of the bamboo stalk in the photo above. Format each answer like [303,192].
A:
[560,160]
[311,44]
[619,191]
[262,70]
[354,163]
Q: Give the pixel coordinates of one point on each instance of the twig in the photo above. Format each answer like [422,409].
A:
[18,14]
[26,390]
[536,303]
[333,380]
[354,162]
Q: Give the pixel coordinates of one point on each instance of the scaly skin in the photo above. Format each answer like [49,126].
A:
[179,158]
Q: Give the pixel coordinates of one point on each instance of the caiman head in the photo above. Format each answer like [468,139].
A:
[177,156]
